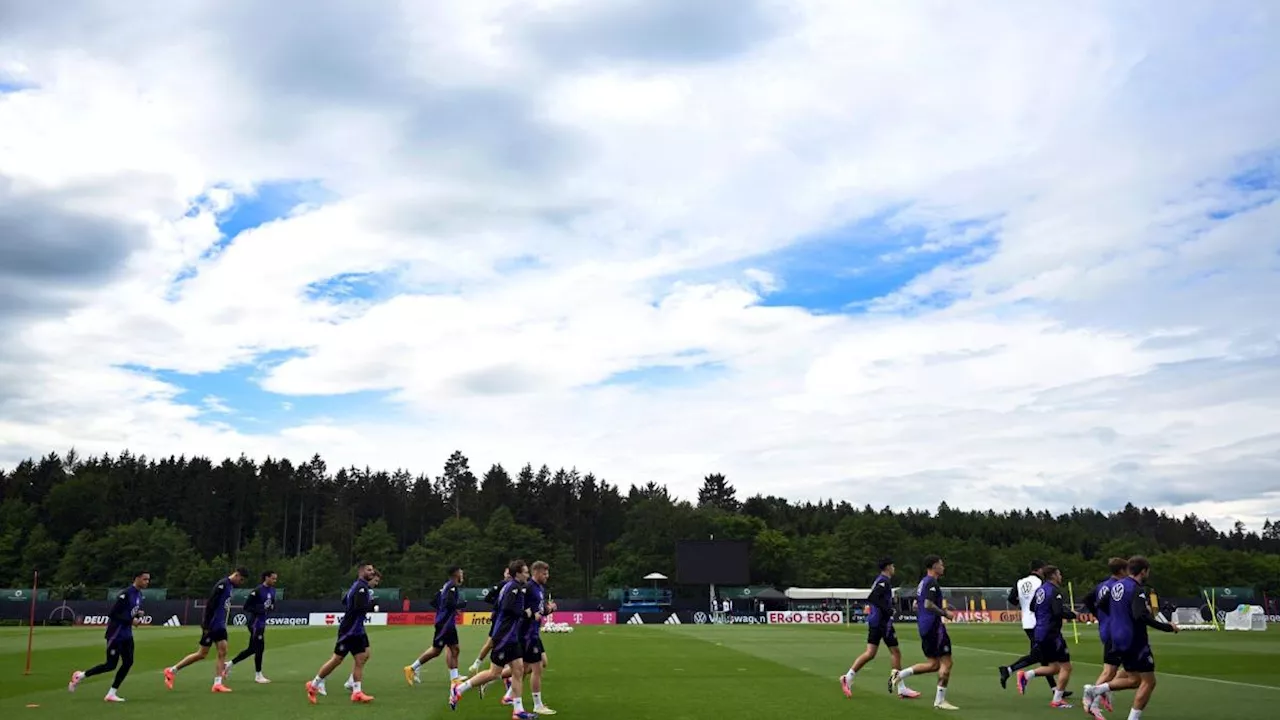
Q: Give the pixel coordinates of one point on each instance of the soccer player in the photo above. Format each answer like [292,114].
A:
[213,631]
[352,638]
[507,650]
[126,613]
[1129,616]
[933,634]
[445,639]
[1097,604]
[1051,647]
[490,597]
[879,629]
[374,581]
[531,638]
[259,603]
[1023,594]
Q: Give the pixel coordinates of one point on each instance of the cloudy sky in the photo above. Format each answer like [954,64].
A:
[999,254]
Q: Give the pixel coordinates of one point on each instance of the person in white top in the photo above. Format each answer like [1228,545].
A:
[1022,594]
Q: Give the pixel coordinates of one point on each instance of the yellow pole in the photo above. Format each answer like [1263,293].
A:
[1071,594]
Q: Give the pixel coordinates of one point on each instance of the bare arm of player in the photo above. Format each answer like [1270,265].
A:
[930,605]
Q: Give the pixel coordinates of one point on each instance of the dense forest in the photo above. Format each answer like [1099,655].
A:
[87,523]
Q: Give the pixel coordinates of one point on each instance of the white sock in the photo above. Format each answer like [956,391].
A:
[355,687]
[941,697]
[850,675]
[229,664]
[1057,695]
[416,664]
[906,673]
[1135,714]
[537,699]
[318,681]
[217,680]
[464,687]
[453,673]
[517,706]
[259,675]
[1102,689]
[111,692]
[173,669]
[508,693]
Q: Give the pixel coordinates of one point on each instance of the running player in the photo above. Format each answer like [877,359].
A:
[445,639]
[1129,615]
[535,658]
[1051,647]
[126,613]
[490,597]
[507,650]
[933,634]
[259,604]
[879,629]
[1023,594]
[213,631]
[352,638]
[1096,603]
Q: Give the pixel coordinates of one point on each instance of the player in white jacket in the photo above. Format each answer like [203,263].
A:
[1022,594]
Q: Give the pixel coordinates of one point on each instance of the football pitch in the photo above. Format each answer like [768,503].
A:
[661,672]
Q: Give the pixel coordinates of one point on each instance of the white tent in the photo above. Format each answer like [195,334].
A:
[655,576]
[828,593]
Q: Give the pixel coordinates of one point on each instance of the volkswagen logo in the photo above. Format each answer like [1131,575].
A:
[701,618]
[240,619]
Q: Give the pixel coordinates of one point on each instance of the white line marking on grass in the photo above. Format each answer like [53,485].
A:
[1159,673]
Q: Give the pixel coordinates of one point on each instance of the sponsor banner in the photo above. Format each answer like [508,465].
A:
[104,619]
[586,617]
[749,619]
[333,619]
[970,616]
[242,619]
[476,618]
[805,617]
[414,618]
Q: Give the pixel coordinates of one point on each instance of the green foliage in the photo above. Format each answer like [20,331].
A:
[90,523]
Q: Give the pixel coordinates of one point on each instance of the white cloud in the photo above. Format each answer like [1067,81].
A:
[553,212]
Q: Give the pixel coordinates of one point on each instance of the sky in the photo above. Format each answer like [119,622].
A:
[997,254]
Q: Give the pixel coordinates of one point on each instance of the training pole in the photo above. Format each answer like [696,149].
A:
[1071,595]
[31,631]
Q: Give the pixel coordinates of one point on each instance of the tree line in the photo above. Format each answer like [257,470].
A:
[88,522]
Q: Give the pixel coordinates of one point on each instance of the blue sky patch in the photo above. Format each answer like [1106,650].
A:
[667,376]
[13,86]
[351,286]
[255,410]
[844,270]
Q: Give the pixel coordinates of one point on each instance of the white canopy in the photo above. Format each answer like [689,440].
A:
[828,593]
[655,576]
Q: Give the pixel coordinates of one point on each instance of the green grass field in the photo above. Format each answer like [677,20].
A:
[661,672]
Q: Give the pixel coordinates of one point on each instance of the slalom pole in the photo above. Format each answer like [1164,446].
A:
[31,630]
[1071,594]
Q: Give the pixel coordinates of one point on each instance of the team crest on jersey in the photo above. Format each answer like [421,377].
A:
[1117,592]
[1040,595]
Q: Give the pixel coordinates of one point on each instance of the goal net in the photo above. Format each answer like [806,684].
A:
[1190,618]
[1246,617]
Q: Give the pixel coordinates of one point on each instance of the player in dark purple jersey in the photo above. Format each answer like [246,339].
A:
[213,631]
[879,629]
[352,638]
[507,648]
[258,605]
[125,613]
[934,640]
[535,657]
[445,638]
[490,597]
[1128,619]
[1050,649]
[1096,604]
